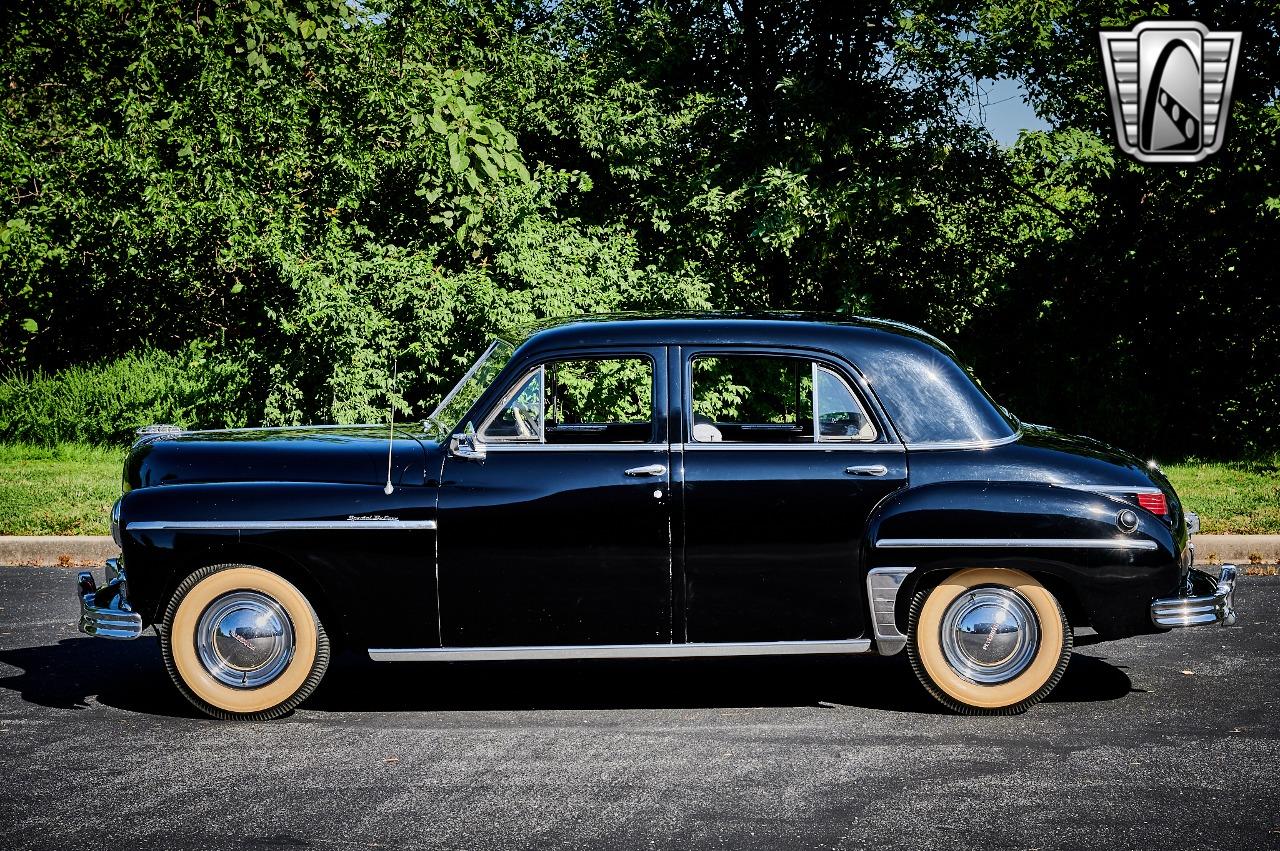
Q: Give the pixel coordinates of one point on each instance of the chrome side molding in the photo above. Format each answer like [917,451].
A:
[388,524]
[883,584]
[619,651]
[998,543]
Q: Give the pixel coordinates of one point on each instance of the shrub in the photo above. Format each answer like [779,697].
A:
[106,403]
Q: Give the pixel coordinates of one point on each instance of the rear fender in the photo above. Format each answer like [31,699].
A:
[1068,538]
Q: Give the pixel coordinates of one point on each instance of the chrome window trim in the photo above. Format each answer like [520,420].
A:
[278,525]
[513,446]
[1041,543]
[966,444]
[803,447]
[619,651]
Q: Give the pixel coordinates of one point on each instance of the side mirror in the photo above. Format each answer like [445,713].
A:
[467,446]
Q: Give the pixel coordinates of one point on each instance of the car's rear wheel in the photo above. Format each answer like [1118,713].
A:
[988,641]
[243,643]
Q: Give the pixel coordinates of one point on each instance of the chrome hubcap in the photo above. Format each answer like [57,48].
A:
[244,639]
[990,635]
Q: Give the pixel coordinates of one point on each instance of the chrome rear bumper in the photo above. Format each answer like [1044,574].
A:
[1208,600]
[105,611]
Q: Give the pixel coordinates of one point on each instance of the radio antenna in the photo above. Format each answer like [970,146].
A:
[391,427]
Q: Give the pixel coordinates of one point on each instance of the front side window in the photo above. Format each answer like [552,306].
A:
[772,399]
[521,416]
[589,400]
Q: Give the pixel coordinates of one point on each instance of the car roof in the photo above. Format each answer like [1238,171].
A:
[931,399]
[713,328]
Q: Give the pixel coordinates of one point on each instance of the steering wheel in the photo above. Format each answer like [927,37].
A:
[522,427]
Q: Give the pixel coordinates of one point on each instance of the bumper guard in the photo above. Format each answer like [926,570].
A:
[105,611]
[1207,600]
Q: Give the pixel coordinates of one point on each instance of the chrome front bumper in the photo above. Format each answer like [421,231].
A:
[105,611]
[1208,600]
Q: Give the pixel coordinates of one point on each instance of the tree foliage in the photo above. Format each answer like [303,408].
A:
[318,189]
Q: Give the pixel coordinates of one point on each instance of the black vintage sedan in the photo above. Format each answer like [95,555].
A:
[654,488]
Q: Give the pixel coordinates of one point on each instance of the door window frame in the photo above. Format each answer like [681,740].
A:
[885,439]
[656,356]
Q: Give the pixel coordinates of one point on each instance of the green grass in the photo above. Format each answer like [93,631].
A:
[68,490]
[61,490]
[1231,497]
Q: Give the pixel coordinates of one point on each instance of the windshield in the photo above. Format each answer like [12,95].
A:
[459,400]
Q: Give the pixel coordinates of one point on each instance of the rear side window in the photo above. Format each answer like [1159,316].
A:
[931,399]
[840,415]
[773,399]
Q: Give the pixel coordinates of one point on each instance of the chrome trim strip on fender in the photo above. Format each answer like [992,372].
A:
[966,444]
[619,651]
[1041,543]
[1109,489]
[883,584]
[278,525]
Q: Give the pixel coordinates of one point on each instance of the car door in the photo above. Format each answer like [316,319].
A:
[561,534]
[774,509]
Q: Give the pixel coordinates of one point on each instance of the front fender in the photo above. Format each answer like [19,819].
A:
[1067,538]
[363,557]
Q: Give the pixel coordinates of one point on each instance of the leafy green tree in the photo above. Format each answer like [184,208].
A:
[1146,291]
[319,188]
[315,191]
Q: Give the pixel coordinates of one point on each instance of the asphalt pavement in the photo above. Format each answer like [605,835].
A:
[1166,741]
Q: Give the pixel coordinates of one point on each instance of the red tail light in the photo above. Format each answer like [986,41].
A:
[1153,502]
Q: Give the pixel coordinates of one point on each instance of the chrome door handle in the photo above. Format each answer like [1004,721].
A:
[867,470]
[650,470]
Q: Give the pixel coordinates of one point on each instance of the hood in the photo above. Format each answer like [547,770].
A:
[336,454]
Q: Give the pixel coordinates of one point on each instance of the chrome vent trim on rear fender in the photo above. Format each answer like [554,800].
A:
[883,584]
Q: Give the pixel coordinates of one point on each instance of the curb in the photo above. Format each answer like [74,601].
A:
[81,550]
[1242,550]
[57,550]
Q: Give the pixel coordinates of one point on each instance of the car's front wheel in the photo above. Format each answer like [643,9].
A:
[243,643]
[988,641]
